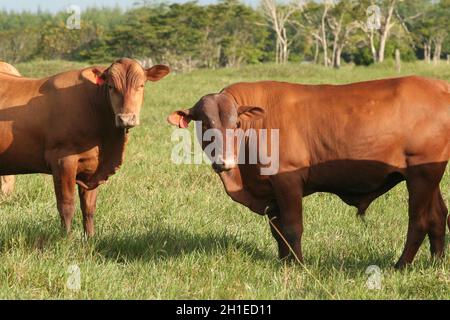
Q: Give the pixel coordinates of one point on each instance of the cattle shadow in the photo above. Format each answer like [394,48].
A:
[159,244]
[32,236]
[170,243]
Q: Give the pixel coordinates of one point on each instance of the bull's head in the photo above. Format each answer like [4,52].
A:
[219,112]
[125,81]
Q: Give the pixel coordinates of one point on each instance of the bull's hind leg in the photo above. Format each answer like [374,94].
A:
[64,174]
[425,211]
[437,219]
[444,209]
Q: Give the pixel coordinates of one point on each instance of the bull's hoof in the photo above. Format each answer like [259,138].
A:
[291,259]
[399,266]
[271,210]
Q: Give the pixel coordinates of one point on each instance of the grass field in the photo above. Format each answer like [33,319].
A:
[171,232]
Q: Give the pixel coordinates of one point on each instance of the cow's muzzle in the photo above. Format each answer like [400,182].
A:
[127,120]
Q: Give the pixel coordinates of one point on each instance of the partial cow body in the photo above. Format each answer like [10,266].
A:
[356,141]
[66,125]
[7,68]
[7,182]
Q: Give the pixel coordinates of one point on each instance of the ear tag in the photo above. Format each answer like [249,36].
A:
[183,123]
[99,81]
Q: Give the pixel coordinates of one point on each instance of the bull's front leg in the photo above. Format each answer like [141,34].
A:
[88,202]
[273,213]
[64,171]
[286,218]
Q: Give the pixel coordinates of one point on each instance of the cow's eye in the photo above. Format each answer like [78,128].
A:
[110,87]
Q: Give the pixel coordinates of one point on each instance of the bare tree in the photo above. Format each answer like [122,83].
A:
[316,26]
[377,22]
[278,16]
[386,25]
[326,7]
[438,41]
[342,24]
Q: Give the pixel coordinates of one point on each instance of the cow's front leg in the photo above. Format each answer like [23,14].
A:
[64,172]
[286,222]
[88,202]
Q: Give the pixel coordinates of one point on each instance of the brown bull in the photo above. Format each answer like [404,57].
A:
[7,182]
[356,141]
[73,125]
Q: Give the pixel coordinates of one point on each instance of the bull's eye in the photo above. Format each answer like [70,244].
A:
[110,87]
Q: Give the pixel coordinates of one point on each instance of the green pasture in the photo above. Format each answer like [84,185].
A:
[170,232]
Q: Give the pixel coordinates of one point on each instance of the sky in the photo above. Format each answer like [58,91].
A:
[59,5]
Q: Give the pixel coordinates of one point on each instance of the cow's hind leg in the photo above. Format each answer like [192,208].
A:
[64,176]
[425,211]
[88,201]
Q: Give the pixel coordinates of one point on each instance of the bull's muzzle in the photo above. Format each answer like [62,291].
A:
[127,120]
[224,165]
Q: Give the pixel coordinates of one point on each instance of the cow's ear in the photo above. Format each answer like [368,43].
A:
[180,118]
[96,75]
[247,113]
[100,76]
[157,72]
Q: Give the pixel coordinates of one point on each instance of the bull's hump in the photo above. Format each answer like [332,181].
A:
[264,94]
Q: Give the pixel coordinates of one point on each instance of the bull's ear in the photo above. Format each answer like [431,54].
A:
[157,72]
[180,118]
[247,113]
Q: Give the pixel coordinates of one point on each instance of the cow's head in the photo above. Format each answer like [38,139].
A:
[125,81]
[219,112]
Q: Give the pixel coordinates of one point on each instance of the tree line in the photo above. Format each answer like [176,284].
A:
[230,33]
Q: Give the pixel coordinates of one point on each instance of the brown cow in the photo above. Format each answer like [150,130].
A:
[7,68]
[7,182]
[73,125]
[356,141]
